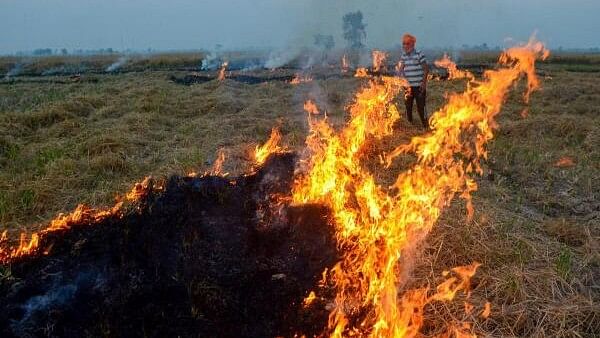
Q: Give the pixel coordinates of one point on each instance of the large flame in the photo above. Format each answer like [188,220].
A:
[377,226]
[453,71]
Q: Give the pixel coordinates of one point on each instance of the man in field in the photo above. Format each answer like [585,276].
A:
[413,67]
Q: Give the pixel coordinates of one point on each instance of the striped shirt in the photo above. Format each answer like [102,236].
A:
[413,69]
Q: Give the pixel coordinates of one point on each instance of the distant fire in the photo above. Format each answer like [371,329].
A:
[379,58]
[345,64]
[453,71]
[298,79]
[221,75]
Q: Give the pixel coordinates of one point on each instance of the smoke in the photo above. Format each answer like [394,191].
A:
[118,64]
[278,59]
[211,61]
[59,291]
[54,298]
[14,71]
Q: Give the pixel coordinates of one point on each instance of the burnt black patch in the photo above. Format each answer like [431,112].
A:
[202,258]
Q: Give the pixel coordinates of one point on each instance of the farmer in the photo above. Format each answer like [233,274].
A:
[413,67]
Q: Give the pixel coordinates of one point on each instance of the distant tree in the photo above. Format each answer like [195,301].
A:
[64,51]
[42,51]
[354,30]
[355,35]
[325,43]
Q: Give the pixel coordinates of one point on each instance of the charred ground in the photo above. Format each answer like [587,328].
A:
[197,259]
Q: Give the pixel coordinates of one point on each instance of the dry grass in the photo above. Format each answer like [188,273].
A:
[536,228]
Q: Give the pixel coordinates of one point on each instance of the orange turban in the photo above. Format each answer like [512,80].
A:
[409,38]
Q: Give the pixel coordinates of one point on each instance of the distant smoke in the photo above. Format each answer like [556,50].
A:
[252,65]
[281,58]
[212,60]
[118,64]
[16,70]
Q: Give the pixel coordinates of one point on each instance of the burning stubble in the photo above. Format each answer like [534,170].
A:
[376,228]
[374,225]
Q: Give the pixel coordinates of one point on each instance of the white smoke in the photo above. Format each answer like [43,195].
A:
[14,71]
[279,59]
[117,64]
[212,60]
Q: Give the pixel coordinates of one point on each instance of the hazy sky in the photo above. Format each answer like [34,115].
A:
[195,24]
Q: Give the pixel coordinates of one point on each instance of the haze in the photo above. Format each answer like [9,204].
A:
[242,24]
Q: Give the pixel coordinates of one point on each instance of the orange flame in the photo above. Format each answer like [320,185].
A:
[378,60]
[453,71]
[139,190]
[310,299]
[565,162]
[221,75]
[361,72]
[217,167]
[311,108]
[261,153]
[81,215]
[487,310]
[377,226]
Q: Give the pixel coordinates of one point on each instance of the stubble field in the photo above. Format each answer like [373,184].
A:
[536,227]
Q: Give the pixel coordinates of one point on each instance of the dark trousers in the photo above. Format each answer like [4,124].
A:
[415,94]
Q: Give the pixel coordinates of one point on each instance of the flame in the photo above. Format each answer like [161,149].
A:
[301,79]
[378,60]
[221,75]
[487,310]
[82,214]
[139,190]
[361,72]
[310,299]
[311,108]
[377,226]
[453,71]
[217,167]
[565,162]
[345,64]
[261,153]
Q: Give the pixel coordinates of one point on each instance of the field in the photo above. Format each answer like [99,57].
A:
[536,228]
